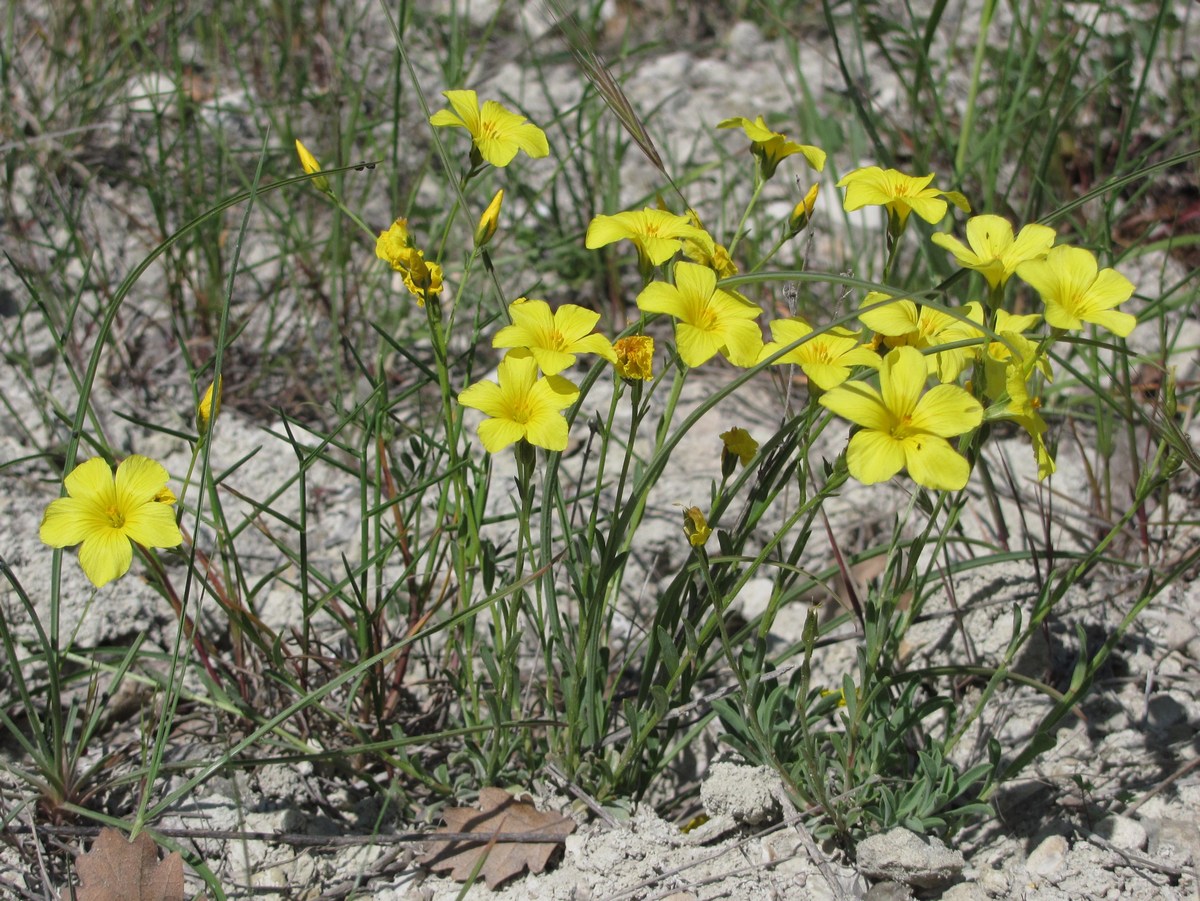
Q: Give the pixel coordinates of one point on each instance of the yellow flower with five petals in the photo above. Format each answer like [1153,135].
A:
[497,133]
[902,322]
[553,337]
[904,426]
[657,234]
[105,514]
[770,148]
[899,194]
[826,358]
[1075,290]
[710,320]
[521,405]
[993,251]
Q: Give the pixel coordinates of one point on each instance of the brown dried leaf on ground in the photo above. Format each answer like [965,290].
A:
[117,870]
[498,812]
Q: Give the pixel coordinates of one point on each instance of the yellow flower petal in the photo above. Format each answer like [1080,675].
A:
[105,555]
[874,456]
[932,462]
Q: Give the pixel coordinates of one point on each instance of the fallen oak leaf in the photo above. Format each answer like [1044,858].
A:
[117,870]
[513,836]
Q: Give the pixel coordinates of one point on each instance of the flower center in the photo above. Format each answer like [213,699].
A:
[115,517]
[556,340]
[521,413]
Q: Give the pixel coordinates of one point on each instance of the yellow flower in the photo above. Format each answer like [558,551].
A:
[497,133]
[695,527]
[309,164]
[901,323]
[635,357]
[554,338]
[826,358]
[902,427]
[423,279]
[208,408]
[770,148]
[993,251]
[1076,291]
[657,234]
[710,320]
[521,406]
[106,514]
[489,221]
[737,447]
[899,194]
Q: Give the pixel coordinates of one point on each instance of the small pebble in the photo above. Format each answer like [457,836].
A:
[1048,857]
[903,856]
[965,891]
[1123,832]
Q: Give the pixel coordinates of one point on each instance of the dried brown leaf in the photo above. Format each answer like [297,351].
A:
[117,870]
[498,813]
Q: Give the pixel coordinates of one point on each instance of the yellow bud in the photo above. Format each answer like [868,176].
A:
[489,221]
[801,215]
[209,407]
[309,164]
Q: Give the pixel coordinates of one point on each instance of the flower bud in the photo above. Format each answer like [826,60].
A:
[489,221]
[309,164]
[207,409]
[802,214]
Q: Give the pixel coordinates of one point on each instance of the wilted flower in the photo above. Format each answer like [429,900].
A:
[696,527]
[423,279]
[737,446]
[635,357]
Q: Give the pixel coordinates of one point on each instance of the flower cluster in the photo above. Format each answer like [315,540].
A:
[423,280]
[981,363]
